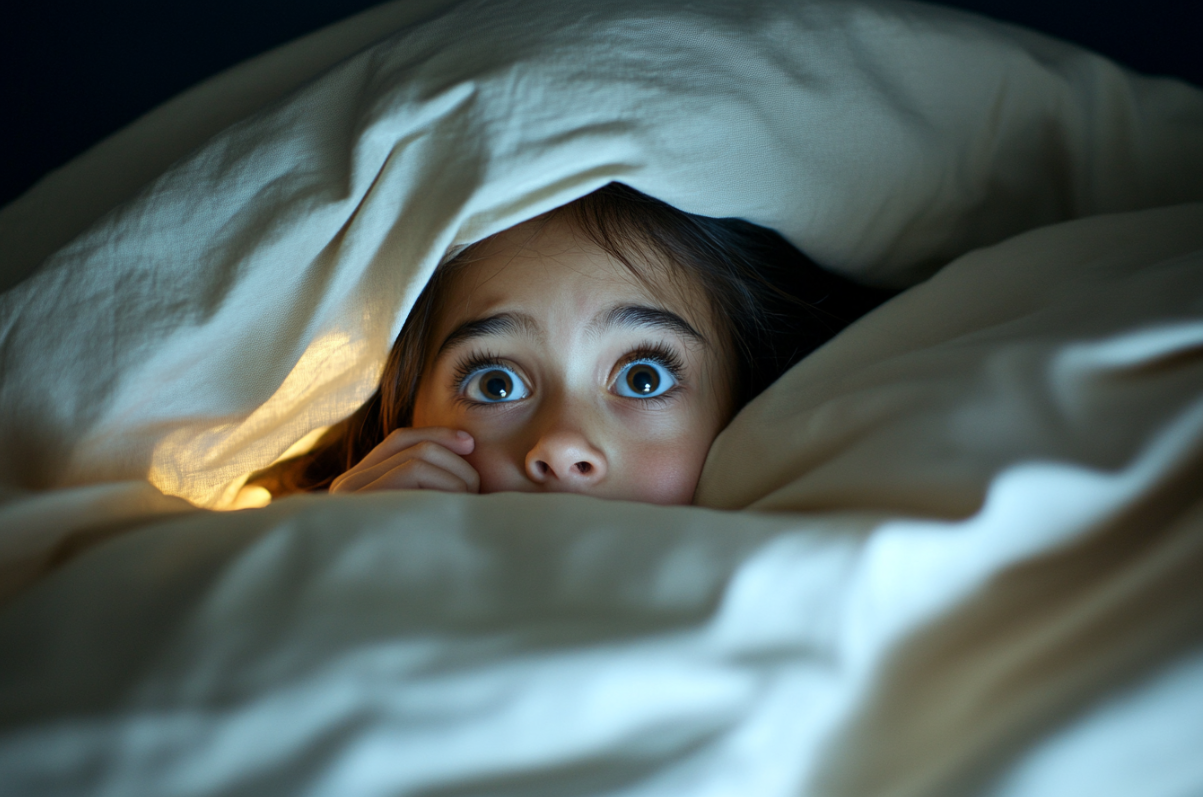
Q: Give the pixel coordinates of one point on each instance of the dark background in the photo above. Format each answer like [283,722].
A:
[72,73]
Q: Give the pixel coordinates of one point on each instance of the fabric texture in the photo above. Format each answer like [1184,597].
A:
[954,551]
[249,294]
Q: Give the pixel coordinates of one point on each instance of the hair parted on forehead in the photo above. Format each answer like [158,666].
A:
[770,302]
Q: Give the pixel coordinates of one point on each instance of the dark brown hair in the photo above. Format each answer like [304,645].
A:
[771,303]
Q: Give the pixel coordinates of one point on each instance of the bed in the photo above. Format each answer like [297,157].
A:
[957,550]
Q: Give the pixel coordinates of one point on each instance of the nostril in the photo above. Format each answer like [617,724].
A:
[565,467]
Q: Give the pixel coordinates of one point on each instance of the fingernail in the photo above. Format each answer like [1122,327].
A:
[463,436]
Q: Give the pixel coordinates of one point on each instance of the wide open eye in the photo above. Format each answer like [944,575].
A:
[494,385]
[644,379]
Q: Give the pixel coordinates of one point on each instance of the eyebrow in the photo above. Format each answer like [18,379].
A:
[500,324]
[637,315]
[625,316]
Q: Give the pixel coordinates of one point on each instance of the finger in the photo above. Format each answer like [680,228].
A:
[359,477]
[441,457]
[433,453]
[417,474]
[400,439]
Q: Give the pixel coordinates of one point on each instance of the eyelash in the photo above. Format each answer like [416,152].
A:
[649,351]
[469,364]
[659,353]
[665,357]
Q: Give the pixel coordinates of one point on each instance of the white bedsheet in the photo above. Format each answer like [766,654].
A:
[955,551]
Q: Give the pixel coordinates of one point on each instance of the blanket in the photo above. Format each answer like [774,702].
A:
[955,550]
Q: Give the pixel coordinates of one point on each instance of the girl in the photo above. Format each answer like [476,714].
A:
[599,348]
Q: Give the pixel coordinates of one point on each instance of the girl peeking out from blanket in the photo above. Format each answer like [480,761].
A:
[599,348]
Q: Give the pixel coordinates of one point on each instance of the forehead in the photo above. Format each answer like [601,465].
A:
[547,266]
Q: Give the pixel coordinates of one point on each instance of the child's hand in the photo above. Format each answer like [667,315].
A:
[431,458]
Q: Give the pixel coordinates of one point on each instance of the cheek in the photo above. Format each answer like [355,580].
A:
[427,412]
[499,457]
[497,468]
[663,474]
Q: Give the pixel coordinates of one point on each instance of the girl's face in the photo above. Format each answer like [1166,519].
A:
[572,375]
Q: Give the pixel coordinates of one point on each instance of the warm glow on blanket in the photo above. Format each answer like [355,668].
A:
[208,465]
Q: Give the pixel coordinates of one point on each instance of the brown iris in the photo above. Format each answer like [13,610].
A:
[643,380]
[496,385]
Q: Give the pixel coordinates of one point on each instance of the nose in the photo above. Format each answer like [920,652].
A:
[566,459]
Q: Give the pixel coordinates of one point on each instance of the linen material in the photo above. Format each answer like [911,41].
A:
[984,633]
[1073,343]
[249,294]
[975,561]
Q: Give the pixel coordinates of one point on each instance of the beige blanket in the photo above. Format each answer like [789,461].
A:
[971,561]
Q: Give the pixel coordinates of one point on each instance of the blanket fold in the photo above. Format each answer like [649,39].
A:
[953,551]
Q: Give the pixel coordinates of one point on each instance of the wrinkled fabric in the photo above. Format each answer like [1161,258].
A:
[249,293]
[955,551]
